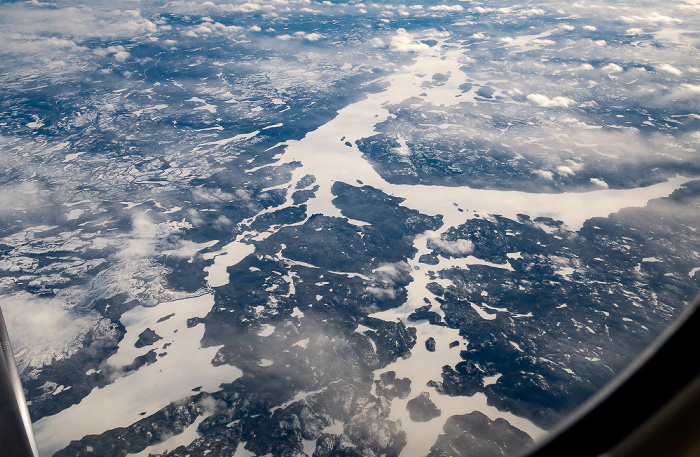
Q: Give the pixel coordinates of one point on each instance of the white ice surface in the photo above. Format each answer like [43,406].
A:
[225,141]
[488,380]
[423,366]
[302,343]
[74,214]
[242,452]
[266,330]
[231,254]
[526,43]
[296,312]
[324,156]
[172,377]
[183,439]
[73,155]
[482,313]
[189,248]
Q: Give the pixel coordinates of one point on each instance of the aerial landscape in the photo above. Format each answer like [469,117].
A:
[339,228]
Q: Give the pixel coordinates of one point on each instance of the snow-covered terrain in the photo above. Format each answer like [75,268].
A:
[301,227]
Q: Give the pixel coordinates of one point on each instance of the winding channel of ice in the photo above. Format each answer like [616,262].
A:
[180,367]
[423,366]
[187,436]
[324,154]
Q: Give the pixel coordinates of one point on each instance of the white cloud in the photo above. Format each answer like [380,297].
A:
[446,8]
[542,41]
[204,194]
[78,24]
[385,278]
[548,175]
[301,35]
[222,221]
[403,41]
[599,182]
[391,271]
[25,196]
[143,240]
[313,36]
[195,218]
[60,43]
[591,28]
[564,170]
[651,18]
[203,29]
[114,49]
[381,293]
[121,56]
[545,101]
[634,31]
[691,88]
[681,92]
[669,69]
[43,330]
[243,194]
[187,248]
[242,8]
[533,12]
[456,247]
[308,36]
[612,68]
[584,67]
[147,238]
[211,27]
[479,35]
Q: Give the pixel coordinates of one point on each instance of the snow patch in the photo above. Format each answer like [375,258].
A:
[171,377]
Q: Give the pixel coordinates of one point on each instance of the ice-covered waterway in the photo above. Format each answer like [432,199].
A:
[423,365]
[185,365]
[182,365]
[324,154]
[183,439]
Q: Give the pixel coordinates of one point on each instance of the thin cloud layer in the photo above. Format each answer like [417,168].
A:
[543,100]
